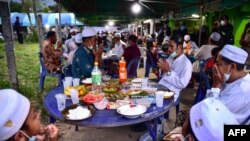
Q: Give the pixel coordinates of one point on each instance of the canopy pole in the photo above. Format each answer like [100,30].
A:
[201,13]
[59,22]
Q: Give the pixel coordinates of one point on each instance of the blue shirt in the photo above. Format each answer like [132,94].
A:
[83,63]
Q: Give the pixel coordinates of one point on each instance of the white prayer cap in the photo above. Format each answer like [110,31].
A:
[14,109]
[187,37]
[234,53]
[118,35]
[215,36]
[78,38]
[72,30]
[166,40]
[88,32]
[208,118]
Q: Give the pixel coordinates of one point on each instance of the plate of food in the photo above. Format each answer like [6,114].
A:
[113,82]
[87,81]
[78,112]
[132,111]
[110,89]
[168,95]
[117,96]
[138,92]
[82,90]
[91,98]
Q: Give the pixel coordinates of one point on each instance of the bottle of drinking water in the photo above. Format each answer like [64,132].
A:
[96,76]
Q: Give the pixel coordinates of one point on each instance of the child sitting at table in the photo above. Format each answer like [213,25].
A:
[19,121]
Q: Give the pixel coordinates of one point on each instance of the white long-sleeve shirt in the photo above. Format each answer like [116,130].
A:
[236,97]
[181,72]
[118,49]
[204,52]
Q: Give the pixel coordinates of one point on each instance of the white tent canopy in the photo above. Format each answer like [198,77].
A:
[67,19]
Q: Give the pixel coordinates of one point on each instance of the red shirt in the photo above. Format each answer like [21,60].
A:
[131,52]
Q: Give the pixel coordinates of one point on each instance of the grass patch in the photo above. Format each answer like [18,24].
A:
[28,70]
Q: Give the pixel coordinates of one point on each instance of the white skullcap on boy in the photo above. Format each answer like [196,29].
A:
[88,32]
[14,109]
[208,118]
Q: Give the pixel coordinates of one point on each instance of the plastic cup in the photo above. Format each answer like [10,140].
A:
[144,83]
[61,101]
[67,83]
[159,96]
[69,79]
[74,96]
[76,82]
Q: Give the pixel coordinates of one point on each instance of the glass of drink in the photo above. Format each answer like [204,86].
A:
[159,97]
[74,96]
[61,101]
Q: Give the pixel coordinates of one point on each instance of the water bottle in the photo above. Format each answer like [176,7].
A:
[96,76]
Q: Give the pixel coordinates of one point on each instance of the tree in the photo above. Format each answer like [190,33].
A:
[16,7]
[9,47]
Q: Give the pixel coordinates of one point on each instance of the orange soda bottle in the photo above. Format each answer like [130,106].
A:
[122,70]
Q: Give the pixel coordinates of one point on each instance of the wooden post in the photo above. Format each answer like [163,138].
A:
[59,20]
[201,15]
[57,30]
[9,47]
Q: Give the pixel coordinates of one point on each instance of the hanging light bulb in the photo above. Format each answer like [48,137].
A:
[111,23]
[136,8]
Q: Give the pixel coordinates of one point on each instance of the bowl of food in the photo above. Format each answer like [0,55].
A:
[87,81]
[132,112]
[101,105]
[168,95]
[110,89]
[106,77]
[78,112]
[91,98]
[136,83]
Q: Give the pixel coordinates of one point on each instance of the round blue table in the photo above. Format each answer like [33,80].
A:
[107,118]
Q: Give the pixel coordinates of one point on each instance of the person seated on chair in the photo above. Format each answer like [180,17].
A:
[207,120]
[52,55]
[189,46]
[176,69]
[231,82]
[204,52]
[20,121]
[120,46]
[86,55]
[68,66]
[70,44]
[132,51]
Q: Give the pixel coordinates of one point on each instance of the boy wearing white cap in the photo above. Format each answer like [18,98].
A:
[70,45]
[189,46]
[86,55]
[19,121]
[207,120]
[231,82]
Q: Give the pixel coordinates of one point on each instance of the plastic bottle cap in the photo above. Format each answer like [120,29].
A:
[96,63]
